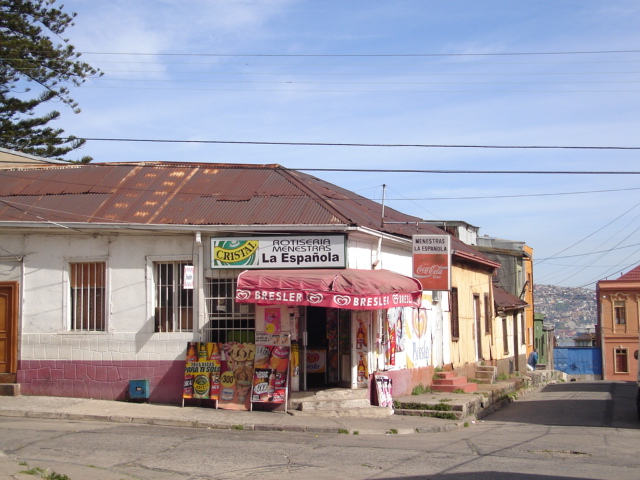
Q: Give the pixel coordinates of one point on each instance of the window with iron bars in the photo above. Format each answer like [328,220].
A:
[88,298]
[174,303]
[228,321]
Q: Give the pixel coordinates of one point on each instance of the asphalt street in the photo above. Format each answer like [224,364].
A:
[582,430]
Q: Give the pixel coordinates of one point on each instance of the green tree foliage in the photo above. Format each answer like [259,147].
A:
[37,65]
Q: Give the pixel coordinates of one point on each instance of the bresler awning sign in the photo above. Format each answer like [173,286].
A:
[347,289]
[327,251]
[432,261]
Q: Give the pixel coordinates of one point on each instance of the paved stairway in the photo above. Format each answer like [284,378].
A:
[336,402]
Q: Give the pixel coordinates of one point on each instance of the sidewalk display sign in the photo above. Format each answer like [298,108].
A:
[202,371]
[236,366]
[316,360]
[272,360]
[432,261]
[363,327]
[332,345]
[384,391]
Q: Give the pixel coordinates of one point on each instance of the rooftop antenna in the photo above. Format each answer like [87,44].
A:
[384,187]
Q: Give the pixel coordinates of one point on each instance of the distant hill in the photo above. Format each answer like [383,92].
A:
[569,309]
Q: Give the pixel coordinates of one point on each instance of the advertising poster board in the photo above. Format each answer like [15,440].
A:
[363,327]
[202,371]
[236,365]
[384,391]
[432,261]
[271,373]
[316,360]
[418,352]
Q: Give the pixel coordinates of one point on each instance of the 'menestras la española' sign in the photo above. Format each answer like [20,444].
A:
[279,252]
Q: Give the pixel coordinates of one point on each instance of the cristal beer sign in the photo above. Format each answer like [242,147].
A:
[432,261]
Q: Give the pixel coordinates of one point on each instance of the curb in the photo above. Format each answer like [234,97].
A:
[229,426]
[384,429]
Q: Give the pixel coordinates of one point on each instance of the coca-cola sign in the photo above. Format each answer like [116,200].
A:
[431,270]
[432,261]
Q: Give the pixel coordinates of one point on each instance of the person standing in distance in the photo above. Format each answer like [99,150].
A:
[533,360]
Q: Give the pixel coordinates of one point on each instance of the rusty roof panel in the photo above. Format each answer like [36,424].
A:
[194,194]
[505,300]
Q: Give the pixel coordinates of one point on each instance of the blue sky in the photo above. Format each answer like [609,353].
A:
[391,72]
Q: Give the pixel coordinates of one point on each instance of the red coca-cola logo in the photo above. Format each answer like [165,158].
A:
[430,270]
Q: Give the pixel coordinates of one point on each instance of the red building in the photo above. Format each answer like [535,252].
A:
[618,322]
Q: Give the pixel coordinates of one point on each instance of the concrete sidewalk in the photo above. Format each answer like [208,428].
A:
[468,408]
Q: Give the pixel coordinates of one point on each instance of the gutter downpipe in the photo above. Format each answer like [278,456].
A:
[201,301]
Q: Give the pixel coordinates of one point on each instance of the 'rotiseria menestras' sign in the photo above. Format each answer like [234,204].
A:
[327,251]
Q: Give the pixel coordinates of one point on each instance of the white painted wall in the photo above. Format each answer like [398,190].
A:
[43,276]
[44,320]
[362,252]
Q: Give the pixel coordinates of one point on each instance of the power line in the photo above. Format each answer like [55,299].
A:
[387,145]
[363,55]
[553,194]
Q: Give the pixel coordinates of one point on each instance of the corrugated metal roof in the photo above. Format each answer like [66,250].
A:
[505,300]
[195,194]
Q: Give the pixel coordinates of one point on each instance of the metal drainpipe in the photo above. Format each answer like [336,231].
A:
[200,282]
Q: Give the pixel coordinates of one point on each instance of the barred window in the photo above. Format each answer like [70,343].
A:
[227,320]
[174,303]
[455,321]
[88,302]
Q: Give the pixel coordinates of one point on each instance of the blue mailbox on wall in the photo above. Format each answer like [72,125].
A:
[139,389]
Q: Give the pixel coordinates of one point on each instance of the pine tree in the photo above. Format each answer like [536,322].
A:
[37,65]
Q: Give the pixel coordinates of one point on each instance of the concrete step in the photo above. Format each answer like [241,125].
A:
[369,412]
[450,381]
[443,375]
[8,378]
[336,402]
[9,389]
[465,387]
[486,374]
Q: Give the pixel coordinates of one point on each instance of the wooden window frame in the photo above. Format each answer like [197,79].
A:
[488,315]
[455,318]
[619,311]
[620,353]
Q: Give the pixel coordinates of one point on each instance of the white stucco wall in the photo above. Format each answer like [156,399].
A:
[44,290]
[362,253]
[45,317]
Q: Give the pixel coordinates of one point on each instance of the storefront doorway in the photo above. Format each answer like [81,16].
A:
[328,350]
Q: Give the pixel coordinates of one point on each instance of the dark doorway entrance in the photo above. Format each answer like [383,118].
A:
[328,342]
[317,346]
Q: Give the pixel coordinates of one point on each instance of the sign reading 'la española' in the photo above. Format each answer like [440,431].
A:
[279,252]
